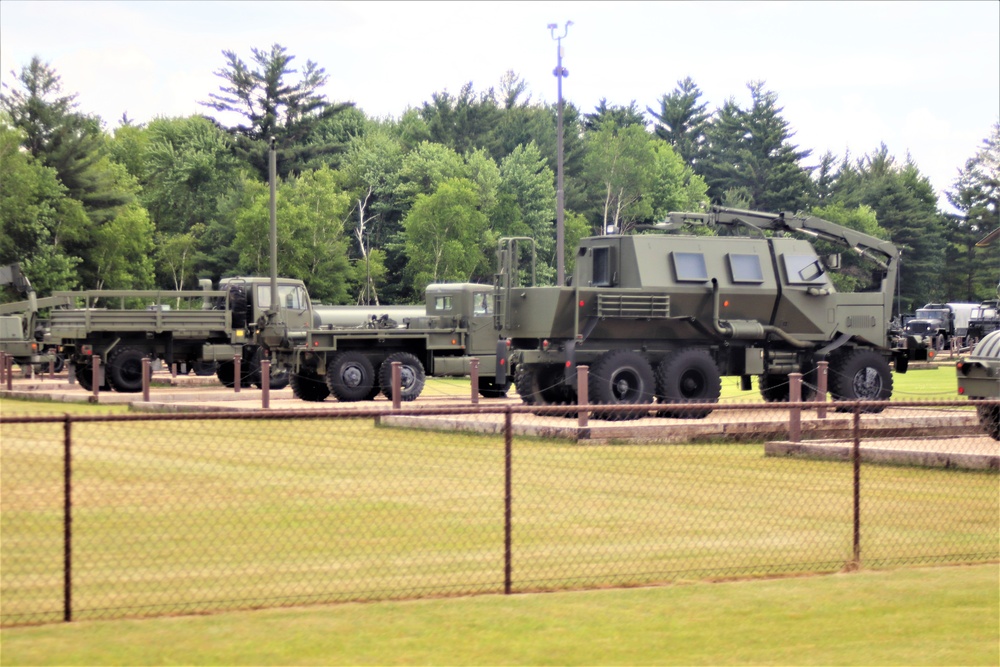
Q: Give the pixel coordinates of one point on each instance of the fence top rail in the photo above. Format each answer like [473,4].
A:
[846,407]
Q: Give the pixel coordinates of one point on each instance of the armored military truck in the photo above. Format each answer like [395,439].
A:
[662,316]
[979,378]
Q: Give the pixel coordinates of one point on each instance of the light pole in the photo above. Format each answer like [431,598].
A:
[560,72]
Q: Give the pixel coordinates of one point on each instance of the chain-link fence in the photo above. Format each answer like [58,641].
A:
[139,515]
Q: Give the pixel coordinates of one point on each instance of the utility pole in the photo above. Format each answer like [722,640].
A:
[560,73]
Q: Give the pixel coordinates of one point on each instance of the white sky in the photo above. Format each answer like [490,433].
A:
[922,77]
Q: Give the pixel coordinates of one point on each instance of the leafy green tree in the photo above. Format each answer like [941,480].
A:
[424,168]
[752,149]
[529,195]
[905,205]
[675,187]
[620,116]
[122,252]
[36,217]
[465,122]
[71,143]
[312,246]
[273,106]
[621,166]
[681,121]
[176,253]
[974,271]
[443,234]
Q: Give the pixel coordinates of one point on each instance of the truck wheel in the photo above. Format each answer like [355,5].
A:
[688,376]
[860,375]
[307,386]
[989,419]
[621,377]
[350,376]
[124,370]
[84,375]
[777,388]
[225,371]
[544,385]
[490,389]
[411,376]
[204,368]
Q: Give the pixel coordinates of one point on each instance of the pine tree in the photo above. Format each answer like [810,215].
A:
[681,121]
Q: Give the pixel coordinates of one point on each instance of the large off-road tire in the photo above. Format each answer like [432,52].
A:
[544,385]
[411,376]
[350,376]
[860,375]
[204,368]
[307,385]
[621,377]
[488,388]
[989,419]
[124,370]
[688,376]
[85,374]
[777,388]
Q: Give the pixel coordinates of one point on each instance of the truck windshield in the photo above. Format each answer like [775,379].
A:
[290,296]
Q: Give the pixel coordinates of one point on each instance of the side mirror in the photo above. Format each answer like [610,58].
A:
[832,261]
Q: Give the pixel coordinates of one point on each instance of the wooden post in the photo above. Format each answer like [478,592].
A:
[795,413]
[474,379]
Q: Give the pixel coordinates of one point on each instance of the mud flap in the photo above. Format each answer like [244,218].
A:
[569,368]
[501,370]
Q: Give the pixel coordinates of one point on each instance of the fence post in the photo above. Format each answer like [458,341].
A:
[265,383]
[9,365]
[3,367]
[474,378]
[145,379]
[237,374]
[856,465]
[582,396]
[67,519]
[795,413]
[397,367]
[822,375]
[508,439]
[95,377]
[70,372]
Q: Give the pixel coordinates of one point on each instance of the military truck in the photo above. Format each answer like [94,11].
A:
[22,330]
[662,316]
[187,327]
[940,322]
[355,363]
[985,318]
[979,378]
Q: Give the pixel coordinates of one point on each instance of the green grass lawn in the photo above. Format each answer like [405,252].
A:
[177,517]
[939,616]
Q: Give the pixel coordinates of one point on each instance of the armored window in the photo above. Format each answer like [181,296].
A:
[602,267]
[442,302]
[804,269]
[690,266]
[745,268]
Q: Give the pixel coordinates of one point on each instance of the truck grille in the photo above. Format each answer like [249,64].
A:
[636,306]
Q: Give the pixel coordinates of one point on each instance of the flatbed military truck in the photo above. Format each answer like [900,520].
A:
[355,363]
[979,378]
[188,327]
[662,316]
[22,331]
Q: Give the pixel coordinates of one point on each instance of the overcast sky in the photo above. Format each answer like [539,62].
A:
[922,77]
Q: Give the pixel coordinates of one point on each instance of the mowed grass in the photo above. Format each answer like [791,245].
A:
[178,517]
[939,616]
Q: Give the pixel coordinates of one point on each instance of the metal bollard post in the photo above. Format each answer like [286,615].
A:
[95,377]
[795,414]
[10,372]
[397,371]
[173,370]
[145,379]
[265,383]
[474,379]
[70,372]
[3,367]
[582,396]
[237,374]
[822,373]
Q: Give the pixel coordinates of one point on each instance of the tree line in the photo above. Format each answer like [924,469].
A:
[374,209]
